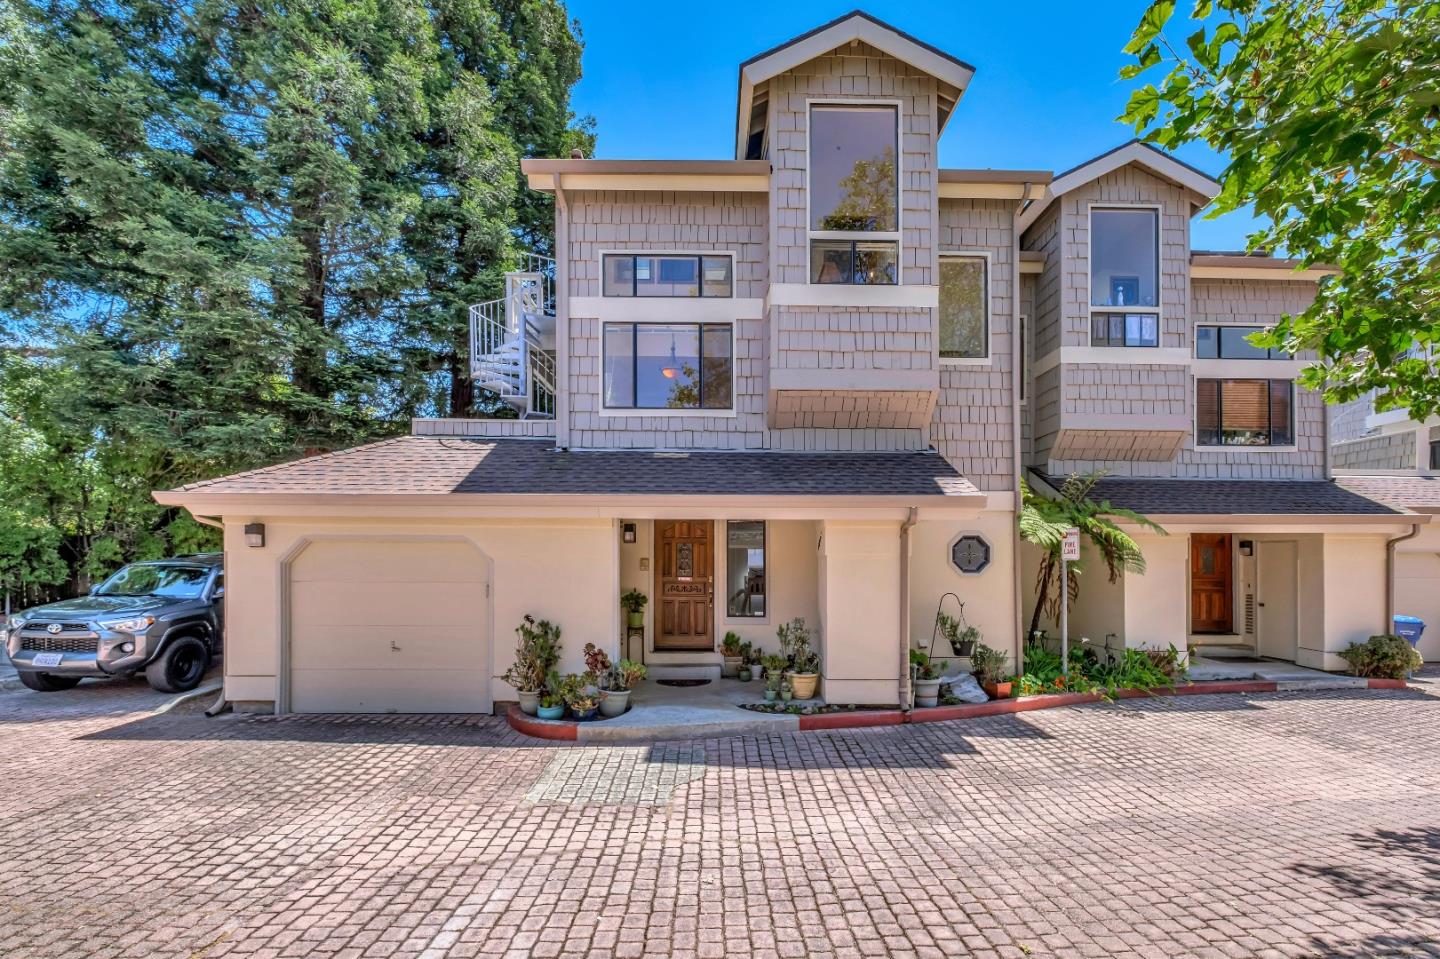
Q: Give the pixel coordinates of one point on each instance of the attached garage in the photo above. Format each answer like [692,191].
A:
[388,625]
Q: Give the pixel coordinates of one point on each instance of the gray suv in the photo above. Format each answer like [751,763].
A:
[164,617]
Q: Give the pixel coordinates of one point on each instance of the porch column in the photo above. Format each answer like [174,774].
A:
[860,611]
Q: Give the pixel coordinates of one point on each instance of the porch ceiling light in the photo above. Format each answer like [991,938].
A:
[255,534]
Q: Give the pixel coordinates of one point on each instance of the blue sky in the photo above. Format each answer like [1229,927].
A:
[661,82]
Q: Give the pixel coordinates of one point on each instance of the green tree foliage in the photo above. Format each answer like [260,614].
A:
[239,230]
[1043,522]
[1330,112]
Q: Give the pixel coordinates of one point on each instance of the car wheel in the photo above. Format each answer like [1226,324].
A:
[180,668]
[46,683]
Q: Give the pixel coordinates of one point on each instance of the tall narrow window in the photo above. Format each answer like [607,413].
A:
[1244,412]
[964,313]
[745,568]
[1435,454]
[854,190]
[1124,277]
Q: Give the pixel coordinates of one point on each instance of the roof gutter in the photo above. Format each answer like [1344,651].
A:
[1020,368]
[906,695]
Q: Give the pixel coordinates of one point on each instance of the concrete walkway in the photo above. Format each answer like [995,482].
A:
[662,712]
[1288,676]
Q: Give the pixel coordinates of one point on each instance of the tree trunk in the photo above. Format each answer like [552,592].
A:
[311,364]
[1046,572]
[462,387]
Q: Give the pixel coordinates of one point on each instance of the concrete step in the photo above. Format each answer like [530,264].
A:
[680,671]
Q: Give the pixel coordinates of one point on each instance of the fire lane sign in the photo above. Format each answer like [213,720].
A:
[1070,546]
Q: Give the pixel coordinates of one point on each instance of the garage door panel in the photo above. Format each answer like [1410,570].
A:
[383,691]
[374,647]
[381,561]
[386,626]
[386,604]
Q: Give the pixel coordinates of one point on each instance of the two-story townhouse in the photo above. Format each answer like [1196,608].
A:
[1142,367]
[804,382]
[776,386]
[1392,457]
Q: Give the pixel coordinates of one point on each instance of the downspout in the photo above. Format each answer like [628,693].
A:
[911,519]
[221,704]
[1390,545]
[1018,363]
[562,315]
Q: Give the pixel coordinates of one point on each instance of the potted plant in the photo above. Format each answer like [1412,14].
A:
[787,692]
[537,651]
[552,704]
[623,678]
[634,602]
[804,662]
[926,673]
[960,634]
[734,659]
[988,666]
[597,663]
[581,695]
[755,659]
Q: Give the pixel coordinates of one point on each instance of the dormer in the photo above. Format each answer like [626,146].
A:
[849,116]
[1112,347]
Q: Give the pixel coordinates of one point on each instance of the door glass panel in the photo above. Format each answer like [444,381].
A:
[745,568]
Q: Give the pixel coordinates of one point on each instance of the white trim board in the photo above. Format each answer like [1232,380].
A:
[1157,162]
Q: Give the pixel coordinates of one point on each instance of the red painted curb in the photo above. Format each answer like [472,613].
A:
[1387,684]
[558,729]
[855,720]
[1216,686]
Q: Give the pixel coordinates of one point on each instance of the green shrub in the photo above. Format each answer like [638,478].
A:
[1382,657]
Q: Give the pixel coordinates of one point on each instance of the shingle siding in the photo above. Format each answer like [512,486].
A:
[1386,451]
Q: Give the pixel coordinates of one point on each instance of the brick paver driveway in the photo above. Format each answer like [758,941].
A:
[1209,826]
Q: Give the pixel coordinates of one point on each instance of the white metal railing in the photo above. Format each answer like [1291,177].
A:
[506,351]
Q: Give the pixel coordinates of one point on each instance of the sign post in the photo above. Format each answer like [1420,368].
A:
[1069,553]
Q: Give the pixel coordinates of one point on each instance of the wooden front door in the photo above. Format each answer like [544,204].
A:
[685,584]
[1212,606]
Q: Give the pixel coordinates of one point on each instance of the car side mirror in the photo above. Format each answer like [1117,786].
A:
[219,593]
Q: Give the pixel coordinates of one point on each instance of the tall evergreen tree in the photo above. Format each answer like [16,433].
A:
[237,230]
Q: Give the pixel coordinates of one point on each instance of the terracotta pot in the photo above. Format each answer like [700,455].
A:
[732,665]
[998,690]
[614,702]
[927,692]
[636,619]
[529,702]
[803,684]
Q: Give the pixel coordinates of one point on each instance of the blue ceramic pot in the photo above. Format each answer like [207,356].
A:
[587,715]
[551,712]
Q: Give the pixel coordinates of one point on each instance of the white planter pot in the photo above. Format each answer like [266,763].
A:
[613,703]
[529,702]
[927,692]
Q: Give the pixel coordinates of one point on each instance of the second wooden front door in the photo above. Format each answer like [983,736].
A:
[1212,605]
[684,584]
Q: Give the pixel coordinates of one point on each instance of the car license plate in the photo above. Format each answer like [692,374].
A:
[47,659]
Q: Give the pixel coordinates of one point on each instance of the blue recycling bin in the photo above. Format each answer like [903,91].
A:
[1409,628]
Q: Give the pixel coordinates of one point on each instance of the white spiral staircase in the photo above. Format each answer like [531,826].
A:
[512,340]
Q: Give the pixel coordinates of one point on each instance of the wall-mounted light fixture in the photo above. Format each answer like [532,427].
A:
[254,534]
[627,532]
[1247,547]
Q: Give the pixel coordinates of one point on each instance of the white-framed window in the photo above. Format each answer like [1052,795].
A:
[963,318]
[853,191]
[1220,342]
[668,274]
[1125,276]
[746,593]
[1243,412]
[668,366]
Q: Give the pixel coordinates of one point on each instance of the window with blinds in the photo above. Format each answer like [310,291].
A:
[1244,412]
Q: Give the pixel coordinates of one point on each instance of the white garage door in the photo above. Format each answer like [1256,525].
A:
[388,626]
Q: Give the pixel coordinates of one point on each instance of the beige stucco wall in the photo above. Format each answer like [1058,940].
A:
[1417,586]
[564,571]
[989,596]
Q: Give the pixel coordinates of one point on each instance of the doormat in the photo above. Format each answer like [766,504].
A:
[682,682]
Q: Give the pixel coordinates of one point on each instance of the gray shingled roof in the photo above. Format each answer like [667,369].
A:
[439,465]
[1161,497]
[1405,492]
